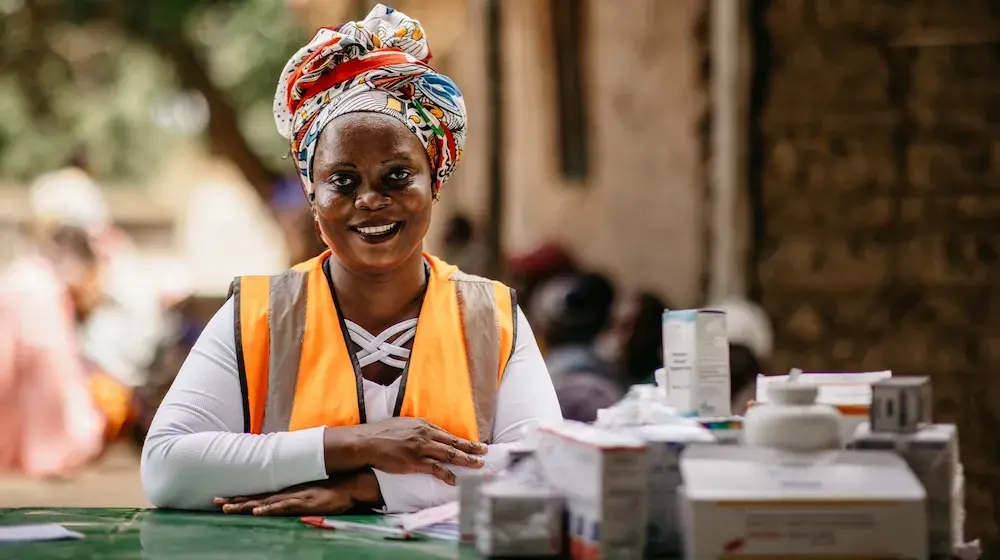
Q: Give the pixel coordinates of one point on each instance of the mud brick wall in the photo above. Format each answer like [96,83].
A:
[879,190]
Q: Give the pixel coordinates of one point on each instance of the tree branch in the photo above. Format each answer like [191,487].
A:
[223,123]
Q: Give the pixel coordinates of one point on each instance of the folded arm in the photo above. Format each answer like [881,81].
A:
[196,451]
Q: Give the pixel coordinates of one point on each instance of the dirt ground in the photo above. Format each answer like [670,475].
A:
[113,481]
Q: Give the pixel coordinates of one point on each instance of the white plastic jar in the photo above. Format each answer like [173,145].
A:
[792,420]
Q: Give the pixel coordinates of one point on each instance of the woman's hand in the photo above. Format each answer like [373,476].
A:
[412,445]
[329,497]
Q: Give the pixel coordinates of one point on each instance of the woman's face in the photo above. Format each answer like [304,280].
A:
[373,191]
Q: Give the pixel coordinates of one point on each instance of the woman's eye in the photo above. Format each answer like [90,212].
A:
[341,182]
[399,175]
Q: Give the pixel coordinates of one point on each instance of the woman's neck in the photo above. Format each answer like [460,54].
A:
[378,301]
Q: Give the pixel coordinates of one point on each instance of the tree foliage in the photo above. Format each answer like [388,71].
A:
[125,79]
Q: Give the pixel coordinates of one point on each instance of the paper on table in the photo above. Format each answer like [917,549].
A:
[37,532]
[443,514]
[833,388]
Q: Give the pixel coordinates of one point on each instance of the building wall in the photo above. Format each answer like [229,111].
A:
[638,216]
[881,168]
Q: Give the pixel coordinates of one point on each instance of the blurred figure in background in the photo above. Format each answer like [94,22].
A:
[635,342]
[462,248]
[528,271]
[751,340]
[294,217]
[121,336]
[570,312]
[49,422]
[582,393]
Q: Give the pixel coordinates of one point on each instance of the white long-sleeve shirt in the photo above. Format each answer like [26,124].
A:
[196,449]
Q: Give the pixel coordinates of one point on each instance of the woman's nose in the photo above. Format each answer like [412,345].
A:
[369,198]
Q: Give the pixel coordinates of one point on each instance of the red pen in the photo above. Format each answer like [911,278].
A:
[388,532]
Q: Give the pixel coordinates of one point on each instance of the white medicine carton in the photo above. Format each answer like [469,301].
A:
[744,502]
[932,455]
[696,362]
[603,476]
[515,519]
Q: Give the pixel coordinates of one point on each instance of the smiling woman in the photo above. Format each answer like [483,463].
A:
[288,404]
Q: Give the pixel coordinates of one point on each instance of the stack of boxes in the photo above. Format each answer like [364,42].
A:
[618,489]
[901,422]
[603,476]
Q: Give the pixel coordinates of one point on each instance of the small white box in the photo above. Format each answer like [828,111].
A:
[743,502]
[932,455]
[696,362]
[470,483]
[900,404]
[603,476]
[515,520]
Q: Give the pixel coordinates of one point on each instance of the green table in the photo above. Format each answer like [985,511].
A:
[141,533]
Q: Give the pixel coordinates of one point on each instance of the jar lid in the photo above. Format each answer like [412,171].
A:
[792,392]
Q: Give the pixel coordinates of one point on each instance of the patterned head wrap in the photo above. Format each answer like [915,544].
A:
[378,65]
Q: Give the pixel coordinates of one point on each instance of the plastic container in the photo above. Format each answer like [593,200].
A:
[792,420]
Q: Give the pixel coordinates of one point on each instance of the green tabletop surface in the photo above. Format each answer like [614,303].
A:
[148,533]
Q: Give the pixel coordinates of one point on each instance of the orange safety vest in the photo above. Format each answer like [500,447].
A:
[297,371]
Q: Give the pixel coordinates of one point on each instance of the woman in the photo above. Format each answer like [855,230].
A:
[288,388]
[50,424]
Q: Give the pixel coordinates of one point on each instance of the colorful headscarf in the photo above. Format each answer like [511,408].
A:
[378,65]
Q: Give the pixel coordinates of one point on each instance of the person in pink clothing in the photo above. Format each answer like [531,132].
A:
[49,423]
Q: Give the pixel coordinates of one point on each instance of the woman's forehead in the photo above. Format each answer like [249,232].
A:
[357,137]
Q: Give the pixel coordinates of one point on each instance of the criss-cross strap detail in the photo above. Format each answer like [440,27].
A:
[380,348]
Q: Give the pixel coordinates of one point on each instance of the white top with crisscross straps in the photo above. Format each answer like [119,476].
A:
[196,450]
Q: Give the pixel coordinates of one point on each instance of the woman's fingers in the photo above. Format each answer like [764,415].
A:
[292,505]
[451,455]
[239,499]
[247,505]
[437,470]
[242,507]
[236,500]
[475,448]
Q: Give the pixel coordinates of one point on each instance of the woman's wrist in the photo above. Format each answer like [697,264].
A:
[344,449]
[365,490]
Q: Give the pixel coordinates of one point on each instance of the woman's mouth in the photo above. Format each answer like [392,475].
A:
[377,233]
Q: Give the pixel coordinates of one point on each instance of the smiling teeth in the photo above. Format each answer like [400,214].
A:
[377,230]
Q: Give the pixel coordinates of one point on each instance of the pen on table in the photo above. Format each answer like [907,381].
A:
[326,523]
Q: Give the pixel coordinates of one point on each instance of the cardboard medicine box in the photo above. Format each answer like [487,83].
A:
[932,455]
[744,502]
[603,477]
[696,362]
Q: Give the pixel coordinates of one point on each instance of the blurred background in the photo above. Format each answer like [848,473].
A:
[828,169]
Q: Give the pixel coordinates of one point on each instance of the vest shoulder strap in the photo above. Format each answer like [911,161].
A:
[269,322]
[488,317]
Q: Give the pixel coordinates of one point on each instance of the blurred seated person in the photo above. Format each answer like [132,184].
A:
[530,270]
[571,311]
[581,394]
[635,342]
[121,335]
[461,247]
[367,376]
[751,341]
[50,423]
